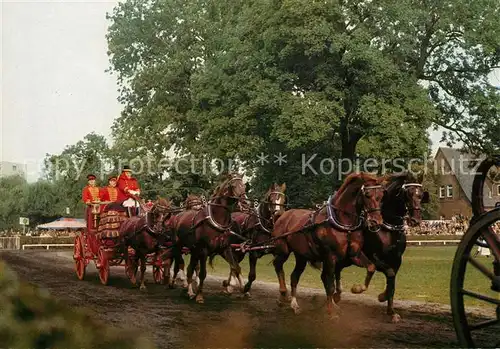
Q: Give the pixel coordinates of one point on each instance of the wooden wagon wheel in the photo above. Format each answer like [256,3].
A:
[79,257]
[465,327]
[480,234]
[103,267]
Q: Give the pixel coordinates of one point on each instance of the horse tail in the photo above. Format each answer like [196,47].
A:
[316,265]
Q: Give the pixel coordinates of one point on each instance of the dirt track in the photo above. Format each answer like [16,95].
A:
[173,321]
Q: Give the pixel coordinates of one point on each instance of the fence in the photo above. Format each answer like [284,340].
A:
[23,242]
[10,243]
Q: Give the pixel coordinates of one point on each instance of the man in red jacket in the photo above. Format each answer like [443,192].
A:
[90,196]
[128,191]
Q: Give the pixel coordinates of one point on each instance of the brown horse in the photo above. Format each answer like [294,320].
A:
[192,202]
[328,235]
[205,232]
[144,234]
[256,225]
[385,248]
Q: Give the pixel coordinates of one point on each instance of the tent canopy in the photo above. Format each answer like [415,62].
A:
[64,223]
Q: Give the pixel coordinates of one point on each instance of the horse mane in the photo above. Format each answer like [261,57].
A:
[192,197]
[353,177]
[163,202]
[226,178]
[391,179]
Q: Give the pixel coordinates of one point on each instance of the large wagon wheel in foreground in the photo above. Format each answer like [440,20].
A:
[475,280]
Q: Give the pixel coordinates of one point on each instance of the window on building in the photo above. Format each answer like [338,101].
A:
[449,191]
[498,189]
[441,192]
[14,167]
[489,194]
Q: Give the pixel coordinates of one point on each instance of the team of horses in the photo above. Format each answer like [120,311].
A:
[361,224]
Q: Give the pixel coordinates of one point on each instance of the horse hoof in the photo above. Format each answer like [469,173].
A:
[281,302]
[142,288]
[357,289]
[246,295]
[334,317]
[171,286]
[382,298]
[395,318]
[225,283]
[336,297]
[297,310]
[200,300]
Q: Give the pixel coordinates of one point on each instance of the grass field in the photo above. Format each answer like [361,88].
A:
[424,275]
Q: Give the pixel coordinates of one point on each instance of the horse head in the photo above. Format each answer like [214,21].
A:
[405,195]
[232,190]
[362,192]
[275,200]
[193,202]
[160,211]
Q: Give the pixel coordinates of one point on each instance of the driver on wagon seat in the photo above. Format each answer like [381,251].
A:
[128,191]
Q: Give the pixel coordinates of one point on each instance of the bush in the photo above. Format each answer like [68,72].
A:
[30,318]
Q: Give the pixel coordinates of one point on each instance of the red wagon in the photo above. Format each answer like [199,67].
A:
[107,250]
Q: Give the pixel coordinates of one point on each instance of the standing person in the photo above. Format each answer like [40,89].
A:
[128,191]
[90,196]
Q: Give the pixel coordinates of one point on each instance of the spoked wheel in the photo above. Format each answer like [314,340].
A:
[479,284]
[103,267]
[158,273]
[79,257]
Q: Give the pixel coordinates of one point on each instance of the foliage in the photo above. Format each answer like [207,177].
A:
[30,318]
[12,191]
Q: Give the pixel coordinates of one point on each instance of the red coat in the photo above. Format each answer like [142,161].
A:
[90,194]
[125,184]
[109,194]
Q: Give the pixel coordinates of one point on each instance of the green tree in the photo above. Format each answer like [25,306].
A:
[68,171]
[13,190]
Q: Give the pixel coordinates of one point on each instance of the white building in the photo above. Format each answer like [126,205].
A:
[13,168]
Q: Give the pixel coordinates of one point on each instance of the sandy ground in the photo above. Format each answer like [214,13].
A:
[171,320]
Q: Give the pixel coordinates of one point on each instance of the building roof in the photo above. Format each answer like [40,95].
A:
[463,166]
[64,223]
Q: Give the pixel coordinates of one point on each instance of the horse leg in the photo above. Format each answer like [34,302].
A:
[166,269]
[358,288]
[338,283]
[278,262]
[328,277]
[190,270]
[143,272]
[388,295]
[300,266]
[202,275]
[252,274]
[180,269]
[235,271]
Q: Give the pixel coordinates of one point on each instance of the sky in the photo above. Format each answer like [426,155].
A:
[53,83]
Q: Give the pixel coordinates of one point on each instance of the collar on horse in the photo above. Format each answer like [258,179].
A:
[332,218]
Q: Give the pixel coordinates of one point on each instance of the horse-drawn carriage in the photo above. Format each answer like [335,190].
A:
[102,243]
[484,232]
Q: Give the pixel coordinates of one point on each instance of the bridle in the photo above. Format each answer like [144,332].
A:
[258,207]
[404,189]
[332,217]
[210,203]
